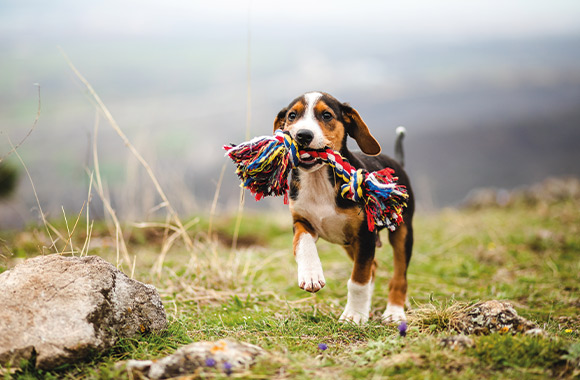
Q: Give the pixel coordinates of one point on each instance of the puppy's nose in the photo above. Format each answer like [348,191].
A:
[304,137]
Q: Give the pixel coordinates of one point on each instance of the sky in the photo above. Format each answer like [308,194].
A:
[444,19]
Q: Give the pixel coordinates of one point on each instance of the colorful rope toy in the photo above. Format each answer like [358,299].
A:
[264,163]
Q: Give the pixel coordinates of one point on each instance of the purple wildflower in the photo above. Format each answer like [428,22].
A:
[403,329]
[322,346]
[227,368]
[210,362]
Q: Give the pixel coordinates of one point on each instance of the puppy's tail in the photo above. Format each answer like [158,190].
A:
[399,153]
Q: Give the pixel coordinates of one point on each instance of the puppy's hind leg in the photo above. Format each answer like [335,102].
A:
[402,241]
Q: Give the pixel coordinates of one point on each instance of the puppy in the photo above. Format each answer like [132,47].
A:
[317,120]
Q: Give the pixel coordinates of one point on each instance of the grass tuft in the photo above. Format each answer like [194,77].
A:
[436,317]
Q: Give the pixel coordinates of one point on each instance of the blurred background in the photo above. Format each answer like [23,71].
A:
[489,92]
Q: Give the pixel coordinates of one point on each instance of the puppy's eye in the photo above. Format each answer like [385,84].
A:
[291,116]
[326,116]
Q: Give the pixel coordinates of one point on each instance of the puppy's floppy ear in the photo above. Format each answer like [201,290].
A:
[358,130]
[280,118]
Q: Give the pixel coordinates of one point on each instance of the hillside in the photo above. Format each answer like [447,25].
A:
[526,254]
[446,165]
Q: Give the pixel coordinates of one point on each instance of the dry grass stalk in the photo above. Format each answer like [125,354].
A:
[47,225]
[168,241]
[238,220]
[146,166]
[215,200]
[119,239]
[248,123]
[89,231]
[71,232]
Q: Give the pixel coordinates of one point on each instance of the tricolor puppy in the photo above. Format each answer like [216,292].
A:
[316,120]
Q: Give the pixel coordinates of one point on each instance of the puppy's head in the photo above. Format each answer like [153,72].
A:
[316,120]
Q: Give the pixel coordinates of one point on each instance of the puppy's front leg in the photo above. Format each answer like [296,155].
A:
[310,276]
[358,304]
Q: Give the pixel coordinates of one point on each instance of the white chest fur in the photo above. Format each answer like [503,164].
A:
[316,203]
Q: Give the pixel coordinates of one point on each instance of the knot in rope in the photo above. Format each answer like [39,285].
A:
[353,189]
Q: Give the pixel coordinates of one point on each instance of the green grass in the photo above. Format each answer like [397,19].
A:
[527,255]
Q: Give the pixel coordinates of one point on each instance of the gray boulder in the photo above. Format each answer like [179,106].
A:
[61,309]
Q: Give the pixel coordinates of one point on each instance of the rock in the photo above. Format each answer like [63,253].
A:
[491,316]
[60,309]
[224,355]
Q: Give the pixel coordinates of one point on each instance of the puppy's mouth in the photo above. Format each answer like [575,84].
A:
[308,162]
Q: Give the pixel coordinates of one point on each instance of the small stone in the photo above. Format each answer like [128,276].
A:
[491,316]
[227,354]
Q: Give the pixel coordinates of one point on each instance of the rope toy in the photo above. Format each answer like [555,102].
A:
[263,165]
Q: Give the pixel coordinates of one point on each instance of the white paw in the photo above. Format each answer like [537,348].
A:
[311,279]
[310,276]
[394,313]
[358,304]
[357,317]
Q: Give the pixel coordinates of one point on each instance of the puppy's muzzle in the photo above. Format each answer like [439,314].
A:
[303,138]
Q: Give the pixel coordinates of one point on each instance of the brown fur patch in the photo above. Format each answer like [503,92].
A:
[363,270]
[364,267]
[320,107]
[355,219]
[281,121]
[299,108]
